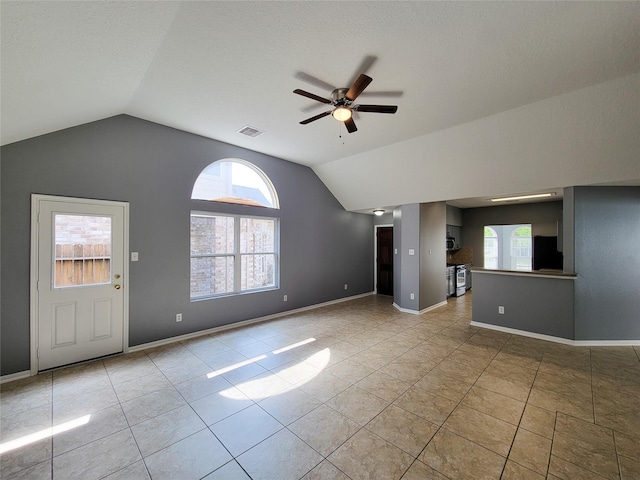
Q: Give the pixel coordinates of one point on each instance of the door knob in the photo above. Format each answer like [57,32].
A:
[116,286]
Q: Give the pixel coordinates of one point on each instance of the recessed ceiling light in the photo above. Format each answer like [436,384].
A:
[524,197]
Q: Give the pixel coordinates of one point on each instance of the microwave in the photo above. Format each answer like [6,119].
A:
[451,243]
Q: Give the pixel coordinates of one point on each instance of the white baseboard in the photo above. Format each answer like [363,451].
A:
[419,312]
[199,333]
[565,341]
[15,376]
[607,343]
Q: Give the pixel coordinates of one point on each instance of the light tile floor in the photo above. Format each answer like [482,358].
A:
[356,390]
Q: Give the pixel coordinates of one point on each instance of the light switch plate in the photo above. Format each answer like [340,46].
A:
[134,256]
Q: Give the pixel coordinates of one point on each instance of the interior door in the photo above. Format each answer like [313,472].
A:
[80,270]
[384,256]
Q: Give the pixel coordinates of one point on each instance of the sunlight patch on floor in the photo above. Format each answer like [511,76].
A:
[42,434]
[274,384]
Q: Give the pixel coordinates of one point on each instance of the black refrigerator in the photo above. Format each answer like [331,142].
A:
[545,253]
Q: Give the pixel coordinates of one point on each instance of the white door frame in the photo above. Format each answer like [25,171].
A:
[35,238]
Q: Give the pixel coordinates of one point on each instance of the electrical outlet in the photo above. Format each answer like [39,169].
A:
[501,310]
[413,297]
[285,298]
[178,317]
[345,286]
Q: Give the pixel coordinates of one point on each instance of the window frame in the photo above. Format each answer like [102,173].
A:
[275,202]
[237,255]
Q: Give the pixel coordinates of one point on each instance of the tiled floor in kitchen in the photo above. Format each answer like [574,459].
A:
[355,390]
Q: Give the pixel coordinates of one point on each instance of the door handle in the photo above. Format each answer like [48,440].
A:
[117,286]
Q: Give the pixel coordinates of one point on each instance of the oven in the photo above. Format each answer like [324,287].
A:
[461,280]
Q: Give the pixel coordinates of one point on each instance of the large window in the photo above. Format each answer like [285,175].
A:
[521,248]
[232,254]
[507,247]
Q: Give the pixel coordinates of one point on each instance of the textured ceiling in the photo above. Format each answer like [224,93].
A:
[213,67]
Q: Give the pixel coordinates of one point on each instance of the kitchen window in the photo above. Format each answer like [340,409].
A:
[232,254]
[490,248]
[507,247]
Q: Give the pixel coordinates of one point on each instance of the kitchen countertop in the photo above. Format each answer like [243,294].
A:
[543,273]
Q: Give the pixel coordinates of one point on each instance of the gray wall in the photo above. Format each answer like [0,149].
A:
[153,168]
[542,216]
[384,219]
[397,264]
[433,254]
[607,262]
[531,303]
[406,236]
[454,216]
[568,231]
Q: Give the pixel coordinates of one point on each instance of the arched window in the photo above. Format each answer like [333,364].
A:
[235,181]
[521,248]
[490,248]
[230,253]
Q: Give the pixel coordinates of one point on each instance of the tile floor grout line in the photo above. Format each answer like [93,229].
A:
[126,420]
[526,402]
[441,426]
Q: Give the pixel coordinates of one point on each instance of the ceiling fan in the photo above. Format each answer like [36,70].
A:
[342,100]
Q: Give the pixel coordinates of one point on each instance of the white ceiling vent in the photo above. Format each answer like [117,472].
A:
[250,131]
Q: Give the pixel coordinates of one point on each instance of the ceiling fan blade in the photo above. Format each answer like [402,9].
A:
[376,108]
[351,125]
[365,65]
[311,96]
[358,86]
[316,82]
[317,117]
[383,93]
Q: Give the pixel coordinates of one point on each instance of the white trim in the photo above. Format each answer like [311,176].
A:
[606,343]
[565,341]
[187,336]
[523,333]
[532,274]
[33,281]
[420,312]
[15,376]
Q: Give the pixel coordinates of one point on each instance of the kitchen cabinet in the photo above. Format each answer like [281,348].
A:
[455,232]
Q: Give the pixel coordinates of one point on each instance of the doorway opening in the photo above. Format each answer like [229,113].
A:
[384,260]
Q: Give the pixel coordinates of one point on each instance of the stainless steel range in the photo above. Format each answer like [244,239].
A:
[461,280]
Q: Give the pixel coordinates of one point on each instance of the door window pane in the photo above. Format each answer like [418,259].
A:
[82,250]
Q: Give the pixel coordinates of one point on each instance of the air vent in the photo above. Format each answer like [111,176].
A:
[250,131]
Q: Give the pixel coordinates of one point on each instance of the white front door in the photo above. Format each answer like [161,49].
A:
[78,312]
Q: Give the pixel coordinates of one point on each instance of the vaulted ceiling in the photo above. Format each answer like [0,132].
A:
[212,68]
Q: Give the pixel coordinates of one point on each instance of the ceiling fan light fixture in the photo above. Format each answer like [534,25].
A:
[342,113]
